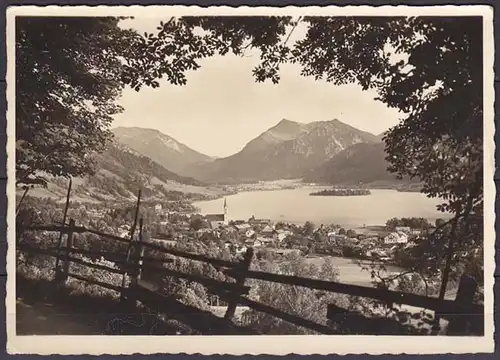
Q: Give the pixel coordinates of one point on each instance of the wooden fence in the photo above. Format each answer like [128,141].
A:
[462,313]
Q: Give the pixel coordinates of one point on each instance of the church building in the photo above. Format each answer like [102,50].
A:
[218,220]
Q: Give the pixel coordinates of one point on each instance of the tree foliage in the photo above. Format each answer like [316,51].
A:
[295,300]
[413,223]
[68,74]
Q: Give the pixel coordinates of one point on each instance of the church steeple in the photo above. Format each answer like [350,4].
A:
[225,212]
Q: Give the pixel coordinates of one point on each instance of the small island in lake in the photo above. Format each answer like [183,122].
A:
[341,192]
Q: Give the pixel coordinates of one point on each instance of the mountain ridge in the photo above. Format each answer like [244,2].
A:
[161,148]
[283,151]
[121,172]
[359,165]
[327,151]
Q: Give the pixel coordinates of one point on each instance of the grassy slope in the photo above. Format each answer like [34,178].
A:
[120,174]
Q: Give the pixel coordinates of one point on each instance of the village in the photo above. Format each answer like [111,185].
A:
[171,224]
[279,238]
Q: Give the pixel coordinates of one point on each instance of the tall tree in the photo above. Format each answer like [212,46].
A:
[68,76]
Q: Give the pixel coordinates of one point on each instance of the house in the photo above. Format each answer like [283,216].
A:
[415,232]
[282,236]
[403,238]
[396,238]
[249,242]
[218,220]
[393,248]
[284,231]
[392,238]
[410,245]
[242,228]
[228,244]
[331,235]
[124,233]
[265,241]
[214,222]
[158,208]
[405,229]
[268,231]
[204,231]
[254,221]
[339,238]
[241,249]
[249,233]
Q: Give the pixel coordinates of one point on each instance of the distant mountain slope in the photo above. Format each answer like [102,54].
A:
[381,136]
[121,173]
[286,150]
[283,131]
[360,164]
[161,148]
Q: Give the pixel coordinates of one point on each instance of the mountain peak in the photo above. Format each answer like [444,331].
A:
[286,121]
[162,148]
[287,150]
[283,131]
[135,129]
[288,126]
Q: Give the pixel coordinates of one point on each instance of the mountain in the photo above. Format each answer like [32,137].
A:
[360,164]
[161,148]
[286,150]
[283,131]
[121,173]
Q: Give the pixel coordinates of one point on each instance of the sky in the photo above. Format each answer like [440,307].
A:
[222,107]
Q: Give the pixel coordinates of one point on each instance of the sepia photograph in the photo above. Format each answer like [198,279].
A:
[284,180]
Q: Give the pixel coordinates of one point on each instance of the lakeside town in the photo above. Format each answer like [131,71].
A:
[236,236]
[281,237]
[172,223]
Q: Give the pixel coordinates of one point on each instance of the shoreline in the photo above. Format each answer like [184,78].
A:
[302,186]
[360,227]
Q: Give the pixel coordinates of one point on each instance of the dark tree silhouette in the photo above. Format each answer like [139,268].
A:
[68,74]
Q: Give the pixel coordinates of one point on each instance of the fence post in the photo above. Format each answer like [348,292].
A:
[59,242]
[63,275]
[458,323]
[137,255]
[123,295]
[240,281]
[135,265]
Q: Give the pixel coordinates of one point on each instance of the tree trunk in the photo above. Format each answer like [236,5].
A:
[449,256]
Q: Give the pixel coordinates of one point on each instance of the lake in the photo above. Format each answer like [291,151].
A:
[296,206]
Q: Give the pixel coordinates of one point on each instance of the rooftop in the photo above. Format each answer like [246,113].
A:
[215,217]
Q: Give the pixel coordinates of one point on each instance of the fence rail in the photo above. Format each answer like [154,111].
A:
[461,312]
[441,306]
